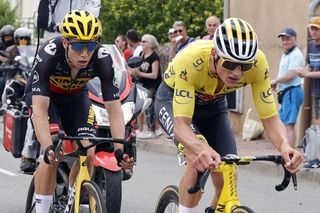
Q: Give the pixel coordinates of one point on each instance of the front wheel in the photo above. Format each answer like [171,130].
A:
[110,183]
[168,201]
[242,209]
[60,194]
[91,199]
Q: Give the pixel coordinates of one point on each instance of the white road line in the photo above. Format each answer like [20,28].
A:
[6,172]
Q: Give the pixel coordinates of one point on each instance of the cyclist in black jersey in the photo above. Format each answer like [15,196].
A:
[57,93]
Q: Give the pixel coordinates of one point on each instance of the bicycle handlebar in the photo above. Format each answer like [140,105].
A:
[57,142]
[203,176]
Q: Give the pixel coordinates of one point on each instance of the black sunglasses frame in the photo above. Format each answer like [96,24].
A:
[180,31]
[231,66]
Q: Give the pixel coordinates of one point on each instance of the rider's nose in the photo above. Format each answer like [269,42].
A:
[85,52]
[237,71]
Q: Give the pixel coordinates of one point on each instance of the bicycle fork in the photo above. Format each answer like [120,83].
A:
[74,194]
[229,194]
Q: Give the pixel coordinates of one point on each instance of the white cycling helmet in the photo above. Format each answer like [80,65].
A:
[236,40]
[22,32]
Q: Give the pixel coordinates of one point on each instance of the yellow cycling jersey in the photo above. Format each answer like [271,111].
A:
[190,75]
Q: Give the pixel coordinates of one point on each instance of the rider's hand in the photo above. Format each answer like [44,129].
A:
[293,159]
[126,162]
[207,158]
[49,154]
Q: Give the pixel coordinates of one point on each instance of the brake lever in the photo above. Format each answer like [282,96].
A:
[286,179]
[200,183]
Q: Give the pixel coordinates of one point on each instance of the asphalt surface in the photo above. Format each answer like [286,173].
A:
[245,148]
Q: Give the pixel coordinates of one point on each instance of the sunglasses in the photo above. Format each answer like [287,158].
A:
[231,65]
[24,38]
[78,46]
[180,31]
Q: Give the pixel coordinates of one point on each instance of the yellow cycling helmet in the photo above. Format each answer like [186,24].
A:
[81,25]
[236,40]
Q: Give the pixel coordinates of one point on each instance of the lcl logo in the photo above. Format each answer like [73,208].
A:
[183,93]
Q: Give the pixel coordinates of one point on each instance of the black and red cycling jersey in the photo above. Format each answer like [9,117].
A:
[51,72]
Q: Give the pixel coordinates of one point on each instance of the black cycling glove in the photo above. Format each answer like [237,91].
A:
[46,153]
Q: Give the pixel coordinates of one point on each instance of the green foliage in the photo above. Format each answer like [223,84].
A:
[8,15]
[156,16]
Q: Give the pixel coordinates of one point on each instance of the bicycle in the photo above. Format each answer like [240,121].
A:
[168,200]
[85,195]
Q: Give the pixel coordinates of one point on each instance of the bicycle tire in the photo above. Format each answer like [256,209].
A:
[90,189]
[110,183]
[242,209]
[61,189]
[168,201]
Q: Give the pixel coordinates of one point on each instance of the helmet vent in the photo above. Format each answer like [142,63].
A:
[74,31]
[65,30]
[70,19]
[78,13]
[96,29]
[89,26]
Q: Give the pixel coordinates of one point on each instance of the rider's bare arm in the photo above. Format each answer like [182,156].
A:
[277,135]
[197,152]
[116,120]
[40,105]
[275,131]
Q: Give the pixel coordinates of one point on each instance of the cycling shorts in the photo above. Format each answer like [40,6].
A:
[71,113]
[209,120]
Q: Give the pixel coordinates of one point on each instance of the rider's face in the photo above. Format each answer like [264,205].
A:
[79,53]
[229,78]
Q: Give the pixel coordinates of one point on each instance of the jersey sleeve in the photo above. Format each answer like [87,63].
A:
[261,88]
[106,74]
[184,88]
[41,70]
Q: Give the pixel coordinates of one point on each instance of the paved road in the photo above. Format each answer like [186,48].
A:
[154,171]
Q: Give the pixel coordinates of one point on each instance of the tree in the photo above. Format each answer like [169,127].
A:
[156,16]
[8,15]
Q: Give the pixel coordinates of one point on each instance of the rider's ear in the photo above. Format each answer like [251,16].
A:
[214,52]
[64,42]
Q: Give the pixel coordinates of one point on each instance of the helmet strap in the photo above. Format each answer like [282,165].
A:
[67,53]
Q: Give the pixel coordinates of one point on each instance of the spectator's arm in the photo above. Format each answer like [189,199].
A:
[288,77]
[306,73]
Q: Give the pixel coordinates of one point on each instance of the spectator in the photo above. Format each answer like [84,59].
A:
[288,83]
[180,29]
[23,47]
[134,42]
[312,70]
[59,8]
[122,44]
[171,35]
[212,23]
[6,33]
[150,77]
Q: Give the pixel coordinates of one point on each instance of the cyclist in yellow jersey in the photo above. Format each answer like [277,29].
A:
[191,104]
